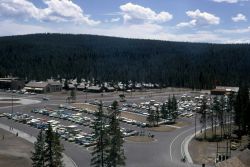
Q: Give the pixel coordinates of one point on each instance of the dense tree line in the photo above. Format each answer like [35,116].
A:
[194,65]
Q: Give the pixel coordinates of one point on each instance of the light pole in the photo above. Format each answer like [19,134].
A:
[195,124]
[12,102]
[86,92]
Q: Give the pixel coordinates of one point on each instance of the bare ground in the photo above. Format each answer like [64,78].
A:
[8,104]
[14,151]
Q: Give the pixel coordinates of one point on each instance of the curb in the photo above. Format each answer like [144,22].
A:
[186,143]
[67,160]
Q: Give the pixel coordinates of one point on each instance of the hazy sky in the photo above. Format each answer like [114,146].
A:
[219,21]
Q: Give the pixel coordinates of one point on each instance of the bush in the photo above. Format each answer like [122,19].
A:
[214,138]
[199,138]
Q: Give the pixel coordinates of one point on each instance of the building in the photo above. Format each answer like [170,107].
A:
[11,83]
[223,90]
[43,87]
[55,86]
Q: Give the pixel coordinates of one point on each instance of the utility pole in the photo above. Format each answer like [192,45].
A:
[11,102]
[86,97]
[195,124]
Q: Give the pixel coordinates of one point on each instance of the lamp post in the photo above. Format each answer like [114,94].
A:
[12,102]
[195,124]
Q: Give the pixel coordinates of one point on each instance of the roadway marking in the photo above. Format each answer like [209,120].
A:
[171,144]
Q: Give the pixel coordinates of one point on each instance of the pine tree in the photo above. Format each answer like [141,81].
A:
[157,116]
[99,155]
[49,139]
[241,107]
[169,108]
[53,150]
[116,155]
[151,117]
[39,151]
[73,94]
[66,85]
[58,150]
[163,110]
[203,111]
[221,115]
[174,107]
[215,110]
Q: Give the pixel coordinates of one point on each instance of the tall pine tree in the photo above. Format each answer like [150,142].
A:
[39,151]
[116,156]
[100,153]
[53,150]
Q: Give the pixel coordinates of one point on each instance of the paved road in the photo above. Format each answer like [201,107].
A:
[166,151]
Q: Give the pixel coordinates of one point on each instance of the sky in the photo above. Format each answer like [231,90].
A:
[213,21]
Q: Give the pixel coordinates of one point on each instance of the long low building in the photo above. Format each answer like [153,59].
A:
[11,83]
[43,87]
[223,90]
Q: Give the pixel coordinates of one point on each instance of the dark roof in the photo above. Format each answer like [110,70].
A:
[218,90]
[55,83]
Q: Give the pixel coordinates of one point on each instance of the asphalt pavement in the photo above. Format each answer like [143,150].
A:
[166,151]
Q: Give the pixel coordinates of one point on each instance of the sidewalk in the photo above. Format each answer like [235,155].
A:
[67,160]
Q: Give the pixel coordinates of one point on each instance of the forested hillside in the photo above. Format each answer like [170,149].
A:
[194,65]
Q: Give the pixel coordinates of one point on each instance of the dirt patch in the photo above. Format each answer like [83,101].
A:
[134,116]
[140,139]
[14,151]
[202,152]
[181,124]
[8,104]
[85,106]
[162,128]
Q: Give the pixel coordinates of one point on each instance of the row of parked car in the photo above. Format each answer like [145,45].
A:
[122,119]
[133,122]
[20,92]
[77,118]
[71,133]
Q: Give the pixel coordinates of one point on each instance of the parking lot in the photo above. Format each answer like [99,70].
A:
[74,124]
